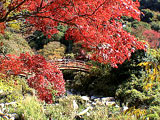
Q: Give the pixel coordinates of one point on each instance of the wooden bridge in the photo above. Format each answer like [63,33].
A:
[69,64]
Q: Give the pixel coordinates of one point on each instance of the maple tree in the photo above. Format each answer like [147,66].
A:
[94,23]
[46,77]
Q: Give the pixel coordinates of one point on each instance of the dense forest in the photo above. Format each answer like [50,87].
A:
[117,41]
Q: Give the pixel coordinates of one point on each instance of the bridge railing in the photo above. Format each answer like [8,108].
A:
[72,64]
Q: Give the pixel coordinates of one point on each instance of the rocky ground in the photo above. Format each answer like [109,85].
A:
[80,106]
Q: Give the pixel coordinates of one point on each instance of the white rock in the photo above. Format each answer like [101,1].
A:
[125,108]
[93,97]
[110,103]
[93,103]
[75,106]
[107,98]
[13,115]
[84,111]
[97,99]
[11,103]
[117,106]
[1,112]
[85,98]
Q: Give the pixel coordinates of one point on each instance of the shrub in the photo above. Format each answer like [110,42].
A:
[38,40]
[138,28]
[53,50]
[65,110]
[136,24]
[158,17]
[12,88]
[46,77]
[143,90]
[14,44]
[152,37]
[97,82]
[30,109]
[155,25]
[147,15]
[153,113]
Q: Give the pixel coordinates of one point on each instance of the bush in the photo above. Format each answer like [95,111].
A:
[38,40]
[65,109]
[46,78]
[13,88]
[30,109]
[158,17]
[14,44]
[143,90]
[147,15]
[136,24]
[138,28]
[134,93]
[152,37]
[53,50]
[155,25]
[153,113]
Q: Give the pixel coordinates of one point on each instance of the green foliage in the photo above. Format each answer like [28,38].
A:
[148,15]
[136,24]
[30,109]
[158,17]
[153,113]
[137,114]
[155,25]
[133,93]
[143,91]
[13,88]
[96,82]
[53,50]
[14,44]
[65,110]
[60,35]
[38,40]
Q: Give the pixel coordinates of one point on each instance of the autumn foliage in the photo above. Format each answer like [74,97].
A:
[45,78]
[94,23]
[153,38]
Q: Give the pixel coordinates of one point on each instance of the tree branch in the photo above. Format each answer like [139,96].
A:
[12,9]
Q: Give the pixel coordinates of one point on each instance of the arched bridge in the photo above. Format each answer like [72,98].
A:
[69,64]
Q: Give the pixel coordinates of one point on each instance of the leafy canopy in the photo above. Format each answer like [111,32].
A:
[94,23]
[45,77]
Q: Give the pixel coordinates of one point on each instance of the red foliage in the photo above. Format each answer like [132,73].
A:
[153,38]
[2,27]
[47,76]
[94,23]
